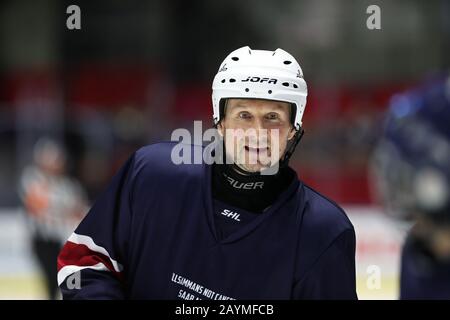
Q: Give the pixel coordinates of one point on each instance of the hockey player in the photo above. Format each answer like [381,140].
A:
[412,164]
[224,231]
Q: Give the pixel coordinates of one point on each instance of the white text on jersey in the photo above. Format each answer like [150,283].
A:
[230,214]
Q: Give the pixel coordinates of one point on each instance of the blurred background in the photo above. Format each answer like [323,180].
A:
[139,69]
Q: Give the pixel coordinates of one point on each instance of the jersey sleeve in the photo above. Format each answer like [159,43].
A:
[91,265]
[332,276]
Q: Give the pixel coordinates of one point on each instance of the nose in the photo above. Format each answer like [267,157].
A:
[259,124]
[260,133]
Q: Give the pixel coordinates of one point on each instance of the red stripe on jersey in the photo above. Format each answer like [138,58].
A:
[80,255]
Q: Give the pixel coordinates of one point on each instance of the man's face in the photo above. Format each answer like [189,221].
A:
[256,132]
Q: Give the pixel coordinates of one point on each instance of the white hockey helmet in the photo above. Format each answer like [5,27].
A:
[260,74]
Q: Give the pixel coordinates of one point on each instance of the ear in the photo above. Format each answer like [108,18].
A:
[291,133]
[220,128]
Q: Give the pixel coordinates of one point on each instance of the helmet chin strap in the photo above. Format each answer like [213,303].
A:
[291,148]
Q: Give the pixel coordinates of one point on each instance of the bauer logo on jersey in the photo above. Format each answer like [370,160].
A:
[259,79]
[231,214]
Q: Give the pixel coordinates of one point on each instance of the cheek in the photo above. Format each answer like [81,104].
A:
[281,140]
[283,144]
[230,129]
[233,137]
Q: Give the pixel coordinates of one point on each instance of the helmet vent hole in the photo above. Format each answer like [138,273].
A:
[247,90]
[235,58]
[270,91]
[287,62]
[223,81]
[295,86]
[232,80]
[286,84]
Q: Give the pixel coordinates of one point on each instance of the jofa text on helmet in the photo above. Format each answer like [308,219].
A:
[259,79]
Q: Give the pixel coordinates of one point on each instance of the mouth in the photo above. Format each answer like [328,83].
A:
[255,150]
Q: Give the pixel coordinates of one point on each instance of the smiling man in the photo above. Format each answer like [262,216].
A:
[243,228]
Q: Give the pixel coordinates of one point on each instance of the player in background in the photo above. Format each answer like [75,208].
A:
[241,229]
[54,203]
[412,170]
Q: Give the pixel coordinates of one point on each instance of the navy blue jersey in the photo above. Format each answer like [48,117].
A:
[422,275]
[155,233]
